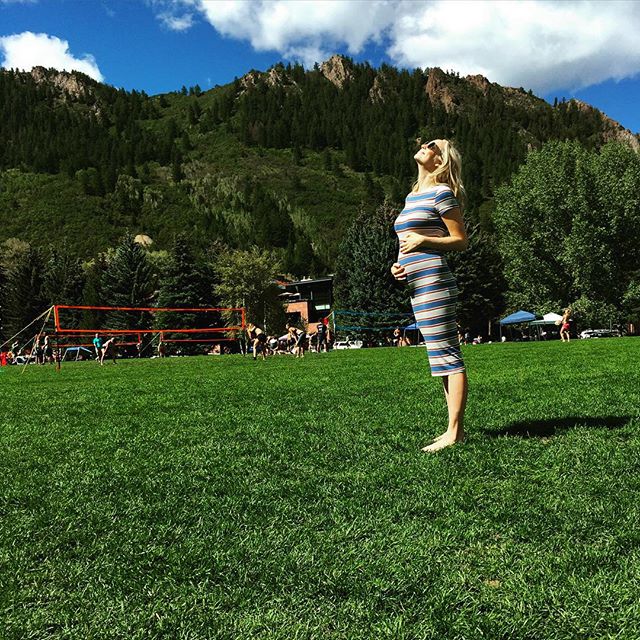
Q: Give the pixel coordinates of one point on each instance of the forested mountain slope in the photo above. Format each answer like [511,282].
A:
[284,158]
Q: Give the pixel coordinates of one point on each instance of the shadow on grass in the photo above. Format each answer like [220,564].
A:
[547,428]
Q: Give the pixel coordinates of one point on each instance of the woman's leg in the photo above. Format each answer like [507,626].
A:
[456,389]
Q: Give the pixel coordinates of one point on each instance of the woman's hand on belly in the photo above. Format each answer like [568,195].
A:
[411,242]
[398,272]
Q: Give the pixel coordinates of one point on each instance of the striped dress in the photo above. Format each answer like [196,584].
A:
[433,288]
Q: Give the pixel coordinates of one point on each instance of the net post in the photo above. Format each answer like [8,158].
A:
[56,319]
[58,355]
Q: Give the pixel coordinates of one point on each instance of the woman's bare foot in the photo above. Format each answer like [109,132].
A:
[445,440]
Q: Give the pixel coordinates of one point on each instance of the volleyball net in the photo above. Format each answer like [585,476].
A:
[376,326]
[131,325]
[74,326]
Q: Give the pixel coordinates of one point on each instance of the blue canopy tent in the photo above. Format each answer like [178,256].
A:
[519,317]
[413,327]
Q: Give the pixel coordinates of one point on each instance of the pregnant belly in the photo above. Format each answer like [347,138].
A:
[425,268]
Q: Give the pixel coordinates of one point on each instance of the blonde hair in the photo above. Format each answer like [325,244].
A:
[449,172]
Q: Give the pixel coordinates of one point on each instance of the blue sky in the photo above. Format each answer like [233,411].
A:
[590,51]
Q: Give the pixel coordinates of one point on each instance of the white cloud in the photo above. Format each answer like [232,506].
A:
[283,25]
[177,22]
[537,44]
[176,15]
[27,50]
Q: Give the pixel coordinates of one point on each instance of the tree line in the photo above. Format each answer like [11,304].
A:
[122,159]
[565,233]
[131,275]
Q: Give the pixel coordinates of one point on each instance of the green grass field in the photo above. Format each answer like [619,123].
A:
[226,498]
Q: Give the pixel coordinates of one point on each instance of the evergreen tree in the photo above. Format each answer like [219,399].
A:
[128,282]
[176,165]
[26,296]
[92,296]
[363,280]
[64,280]
[480,280]
[327,160]
[187,282]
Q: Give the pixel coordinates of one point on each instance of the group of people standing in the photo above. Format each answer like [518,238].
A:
[295,341]
[42,351]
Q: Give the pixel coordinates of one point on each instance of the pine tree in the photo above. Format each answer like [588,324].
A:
[128,282]
[363,277]
[327,160]
[26,296]
[187,282]
[92,293]
[64,279]
[176,165]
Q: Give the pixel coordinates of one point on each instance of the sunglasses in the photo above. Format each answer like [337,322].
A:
[434,147]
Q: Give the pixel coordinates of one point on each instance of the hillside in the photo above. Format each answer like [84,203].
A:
[282,158]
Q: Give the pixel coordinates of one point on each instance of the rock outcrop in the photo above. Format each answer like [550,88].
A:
[337,70]
[439,90]
[613,131]
[68,83]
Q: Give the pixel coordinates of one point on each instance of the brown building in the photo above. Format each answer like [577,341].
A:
[308,300]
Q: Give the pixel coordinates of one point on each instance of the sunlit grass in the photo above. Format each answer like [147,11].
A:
[227,498]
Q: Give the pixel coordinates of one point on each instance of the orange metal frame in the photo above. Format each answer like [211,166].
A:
[78,332]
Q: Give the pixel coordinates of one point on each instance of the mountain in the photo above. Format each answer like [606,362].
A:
[282,158]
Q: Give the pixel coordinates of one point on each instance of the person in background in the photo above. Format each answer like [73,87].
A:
[37,350]
[301,336]
[258,340]
[97,345]
[565,326]
[47,350]
[321,337]
[108,349]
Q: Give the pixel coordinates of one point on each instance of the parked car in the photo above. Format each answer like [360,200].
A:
[348,344]
[600,333]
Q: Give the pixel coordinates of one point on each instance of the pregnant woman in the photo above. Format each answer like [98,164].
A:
[429,225]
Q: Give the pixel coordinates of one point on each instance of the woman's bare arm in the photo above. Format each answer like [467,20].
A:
[457,239]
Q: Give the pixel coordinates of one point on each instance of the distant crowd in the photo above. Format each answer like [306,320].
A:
[295,341]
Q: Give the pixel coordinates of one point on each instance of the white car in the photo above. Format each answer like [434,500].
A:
[600,333]
[348,344]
